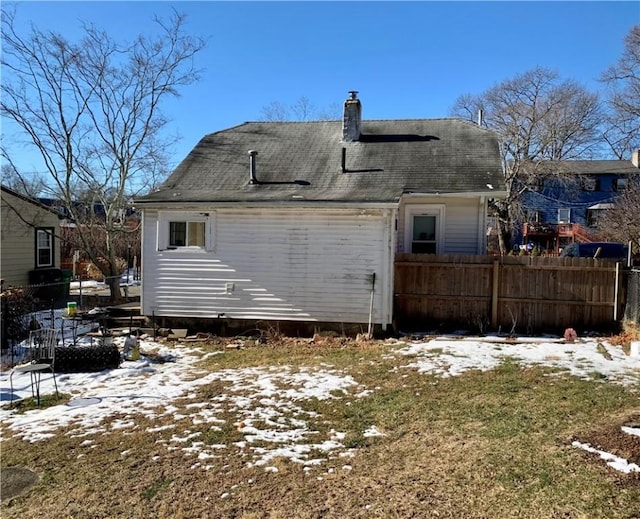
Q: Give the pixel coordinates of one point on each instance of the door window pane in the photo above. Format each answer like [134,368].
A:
[424,234]
[423,248]
[424,227]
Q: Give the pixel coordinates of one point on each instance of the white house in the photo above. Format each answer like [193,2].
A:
[301,221]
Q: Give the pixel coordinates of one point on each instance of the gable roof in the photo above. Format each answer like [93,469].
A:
[600,167]
[32,201]
[304,161]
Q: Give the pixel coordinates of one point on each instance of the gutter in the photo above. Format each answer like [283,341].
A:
[181,204]
[465,194]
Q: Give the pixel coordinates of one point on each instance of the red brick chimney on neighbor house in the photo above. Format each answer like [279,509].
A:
[352,119]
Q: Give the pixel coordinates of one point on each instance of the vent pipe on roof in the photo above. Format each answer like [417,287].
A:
[252,167]
[344,160]
[635,158]
[480,117]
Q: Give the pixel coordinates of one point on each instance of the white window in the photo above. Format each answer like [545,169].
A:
[186,234]
[621,183]
[534,216]
[564,215]
[44,247]
[185,231]
[424,229]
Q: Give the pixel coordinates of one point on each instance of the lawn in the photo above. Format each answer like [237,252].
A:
[335,428]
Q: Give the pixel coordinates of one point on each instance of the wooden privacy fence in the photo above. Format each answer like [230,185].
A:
[508,293]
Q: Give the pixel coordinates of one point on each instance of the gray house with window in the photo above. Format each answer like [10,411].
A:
[301,221]
[30,239]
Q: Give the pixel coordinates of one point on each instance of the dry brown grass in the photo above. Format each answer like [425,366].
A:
[481,445]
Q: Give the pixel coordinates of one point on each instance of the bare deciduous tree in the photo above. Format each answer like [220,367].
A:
[27,185]
[301,110]
[333,112]
[622,223]
[622,82]
[91,110]
[275,112]
[539,118]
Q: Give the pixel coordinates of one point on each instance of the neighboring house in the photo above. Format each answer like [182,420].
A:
[301,221]
[76,260]
[30,247]
[87,211]
[565,208]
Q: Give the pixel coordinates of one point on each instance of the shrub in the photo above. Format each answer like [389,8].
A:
[16,305]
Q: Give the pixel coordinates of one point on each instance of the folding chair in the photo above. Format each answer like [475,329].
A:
[43,344]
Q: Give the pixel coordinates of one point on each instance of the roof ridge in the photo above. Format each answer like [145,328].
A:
[363,120]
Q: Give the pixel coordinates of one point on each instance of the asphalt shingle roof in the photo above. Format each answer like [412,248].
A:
[601,167]
[303,160]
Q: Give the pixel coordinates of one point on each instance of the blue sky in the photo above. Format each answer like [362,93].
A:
[407,59]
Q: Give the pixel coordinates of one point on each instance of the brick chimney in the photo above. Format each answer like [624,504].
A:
[635,158]
[352,119]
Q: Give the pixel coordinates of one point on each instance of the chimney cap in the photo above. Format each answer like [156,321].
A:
[353,94]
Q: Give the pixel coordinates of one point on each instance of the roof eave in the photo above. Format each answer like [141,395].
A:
[453,194]
[244,204]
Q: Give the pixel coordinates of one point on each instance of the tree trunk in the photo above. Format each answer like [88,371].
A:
[113,282]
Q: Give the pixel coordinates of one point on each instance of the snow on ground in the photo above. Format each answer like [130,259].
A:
[129,278]
[266,403]
[452,356]
[613,461]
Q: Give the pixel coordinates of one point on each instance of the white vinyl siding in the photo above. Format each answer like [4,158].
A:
[463,223]
[276,264]
[464,226]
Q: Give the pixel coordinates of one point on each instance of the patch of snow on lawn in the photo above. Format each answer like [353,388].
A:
[265,401]
[268,406]
[448,357]
[615,462]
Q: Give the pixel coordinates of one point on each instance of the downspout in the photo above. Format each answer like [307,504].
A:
[387,289]
[481,245]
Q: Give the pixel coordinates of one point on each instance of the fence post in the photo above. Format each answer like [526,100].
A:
[494,294]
